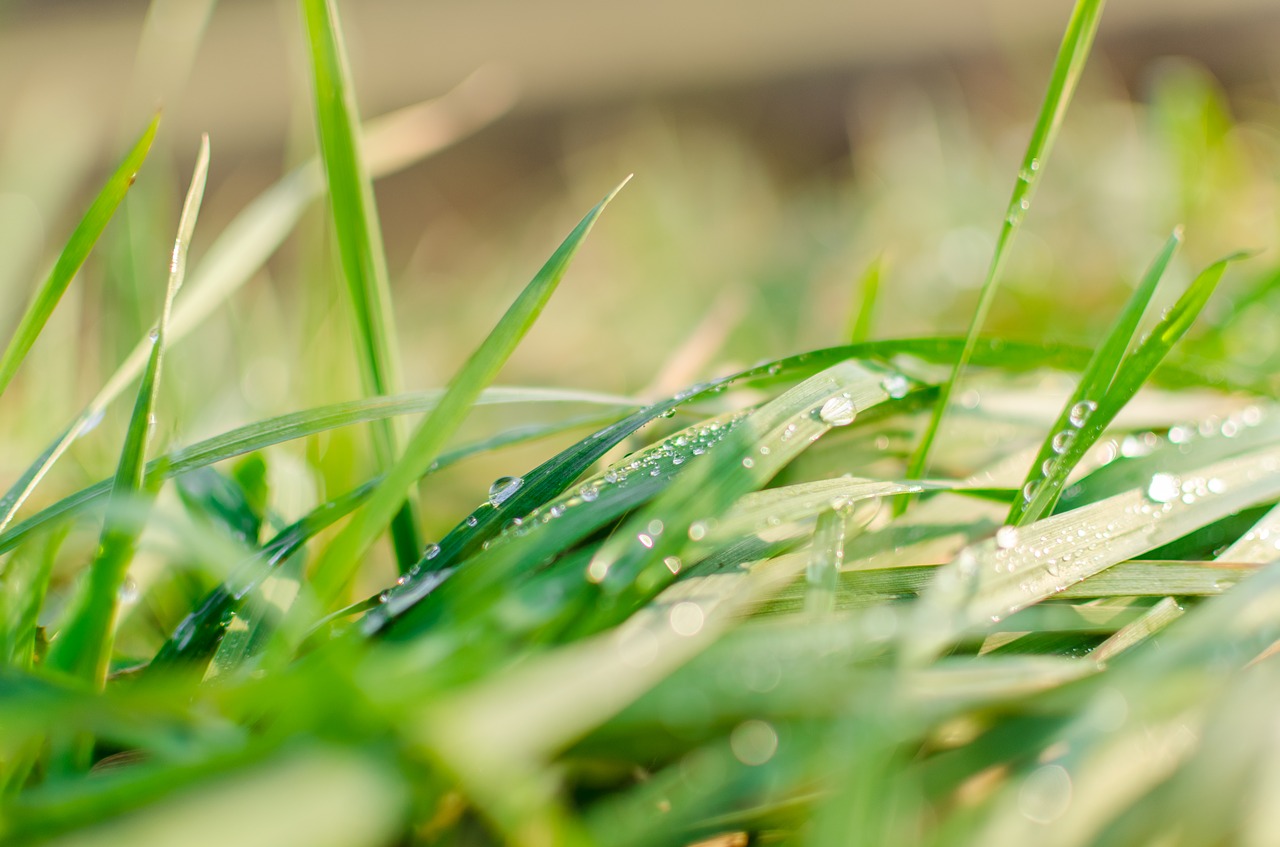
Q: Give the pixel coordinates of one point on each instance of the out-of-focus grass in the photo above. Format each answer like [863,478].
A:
[665,610]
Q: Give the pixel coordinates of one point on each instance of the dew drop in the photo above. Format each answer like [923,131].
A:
[431,551]
[748,462]
[472,520]
[1062,441]
[589,493]
[128,593]
[1164,488]
[895,386]
[1080,412]
[1006,537]
[502,489]
[838,411]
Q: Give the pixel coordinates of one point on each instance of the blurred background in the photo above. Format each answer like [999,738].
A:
[779,150]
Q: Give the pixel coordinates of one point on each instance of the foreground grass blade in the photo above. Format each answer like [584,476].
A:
[1072,56]
[84,645]
[359,236]
[73,255]
[995,578]
[1094,383]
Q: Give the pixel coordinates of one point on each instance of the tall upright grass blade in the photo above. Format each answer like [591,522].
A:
[339,561]
[1072,55]
[73,254]
[359,237]
[1094,383]
[84,645]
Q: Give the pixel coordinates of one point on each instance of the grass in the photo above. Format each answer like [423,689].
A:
[732,614]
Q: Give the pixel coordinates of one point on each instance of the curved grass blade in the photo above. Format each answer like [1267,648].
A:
[1086,418]
[359,237]
[1070,62]
[1095,382]
[84,645]
[74,254]
[265,433]
[339,561]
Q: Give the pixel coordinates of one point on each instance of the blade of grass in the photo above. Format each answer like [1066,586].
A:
[869,291]
[340,559]
[1070,62]
[359,237]
[84,645]
[74,254]
[1094,383]
[1088,418]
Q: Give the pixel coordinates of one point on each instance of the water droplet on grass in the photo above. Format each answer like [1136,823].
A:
[896,386]
[502,489]
[838,411]
[1080,412]
[1164,488]
[1006,537]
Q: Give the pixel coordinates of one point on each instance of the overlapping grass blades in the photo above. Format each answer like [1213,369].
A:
[84,644]
[359,237]
[342,557]
[1072,55]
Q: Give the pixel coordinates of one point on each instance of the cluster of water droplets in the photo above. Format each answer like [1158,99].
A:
[1019,209]
[1077,416]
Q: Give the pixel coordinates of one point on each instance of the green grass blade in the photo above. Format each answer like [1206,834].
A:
[359,237]
[1086,418]
[869,292]
[1072,55]
[84,645]
[74,254]
[1094,383]
[340,559]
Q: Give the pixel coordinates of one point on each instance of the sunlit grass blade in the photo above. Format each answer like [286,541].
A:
[1087,417]
[992,579]
[1072,55]
[84,644]
[341,557]
[74,254]
[359,237]
[1094,383]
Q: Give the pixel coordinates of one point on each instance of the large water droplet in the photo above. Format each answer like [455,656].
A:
[1164,488]
[838,411]
[431,551]
[1062,441]
[1006,537]
[502,489]
[1080,412]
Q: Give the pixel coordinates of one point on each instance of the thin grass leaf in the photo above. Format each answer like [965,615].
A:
[1157,618]
[1070,62]
[25,583]
[74,254]
[1095,382]
[84,645]
[1088,416]
[869,292]
[359,237]
[339,561]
